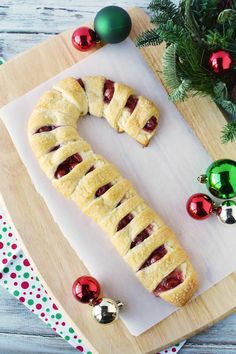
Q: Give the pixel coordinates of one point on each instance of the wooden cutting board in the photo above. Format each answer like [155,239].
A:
[49,251]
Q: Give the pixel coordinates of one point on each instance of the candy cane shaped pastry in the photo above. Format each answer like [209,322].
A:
[96,186]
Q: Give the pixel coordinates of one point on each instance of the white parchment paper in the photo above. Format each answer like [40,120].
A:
[164,174]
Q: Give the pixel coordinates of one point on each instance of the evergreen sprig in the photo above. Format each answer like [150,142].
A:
[150,37]
[168,32]
[169,67]
[229,132]
[164,10]
[192,31]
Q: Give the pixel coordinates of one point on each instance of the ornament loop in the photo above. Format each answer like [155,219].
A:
[120,303]
[202,179]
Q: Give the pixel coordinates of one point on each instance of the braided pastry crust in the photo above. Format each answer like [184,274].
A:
[96,186]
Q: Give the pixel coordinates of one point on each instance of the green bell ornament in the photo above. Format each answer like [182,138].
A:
[112,24]
[220,178]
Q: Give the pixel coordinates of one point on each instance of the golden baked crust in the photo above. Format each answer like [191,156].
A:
[96,186]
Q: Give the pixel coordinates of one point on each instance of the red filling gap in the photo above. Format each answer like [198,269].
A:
[142,236]
[103,190]
[92,168]
[131,103]
[150,125]
[172,280]
[108,91]
[124,221]
[155,256]
[80,81]
[66,166]
[46,128]
[54,148]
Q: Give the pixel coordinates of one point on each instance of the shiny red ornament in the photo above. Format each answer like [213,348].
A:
[86,289]
[199,206]
[84,38]
[220,61]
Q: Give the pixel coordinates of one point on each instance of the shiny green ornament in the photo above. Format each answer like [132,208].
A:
[112,24]
[220,178]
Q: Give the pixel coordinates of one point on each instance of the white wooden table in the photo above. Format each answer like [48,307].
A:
[24,23]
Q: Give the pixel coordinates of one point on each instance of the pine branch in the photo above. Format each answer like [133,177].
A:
[170,32]
[169,67]
[190,21]
[150,37]
[164,10]
[191,32]
[216,40]
[180,93]
[221,96]
[205,13]
[160,18]
[228,105]
[229,133]
[167,32]
[190,66]
[227,16]
[163,5]
[220,91]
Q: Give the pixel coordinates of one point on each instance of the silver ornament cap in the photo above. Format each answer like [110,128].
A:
[106,310]
[226,212]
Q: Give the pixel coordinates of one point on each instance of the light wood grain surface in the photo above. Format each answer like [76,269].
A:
[22,24]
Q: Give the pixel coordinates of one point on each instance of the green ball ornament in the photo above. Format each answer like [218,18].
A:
[112,24]
[220,178]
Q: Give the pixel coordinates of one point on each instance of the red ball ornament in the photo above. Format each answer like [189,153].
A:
[199,206]
[84,38]
[220,61]
[86,289]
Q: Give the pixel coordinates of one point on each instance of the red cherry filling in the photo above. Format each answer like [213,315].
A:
[150,125]
[131,103]
[142,236]
[170,282]
[124,221]
[103,190]
[90,170]
[46,128]
[155,256]
[108,91]
[80,81]
[54,148]
[66,166]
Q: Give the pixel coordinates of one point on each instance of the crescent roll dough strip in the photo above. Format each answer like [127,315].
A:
[113,110]
[94,91]
[96,186]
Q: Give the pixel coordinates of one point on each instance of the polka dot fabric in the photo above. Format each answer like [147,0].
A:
[18,277]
